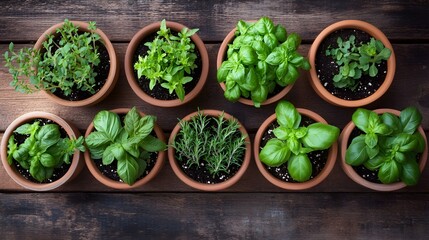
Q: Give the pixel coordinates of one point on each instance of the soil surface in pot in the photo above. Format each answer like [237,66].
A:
[159,92]
[58,172]
[317,158]
[102,71]
[326,67]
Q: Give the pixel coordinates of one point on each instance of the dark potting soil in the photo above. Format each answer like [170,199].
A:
[317,158]
[58,172]
[102,71]
[159,92]
[326,67]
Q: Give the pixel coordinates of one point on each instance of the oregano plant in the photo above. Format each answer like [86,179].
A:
[66,62]
[293,141]
[129,143]
[388,144]
[169,61]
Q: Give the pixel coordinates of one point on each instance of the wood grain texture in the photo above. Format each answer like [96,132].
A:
[214,216]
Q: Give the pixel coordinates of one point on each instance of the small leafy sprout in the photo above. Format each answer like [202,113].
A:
[65,63]
[389,144]
[214,142]
[43,149]
[261,57]
[292,142]
[355,61]
[128,144]
[169,60]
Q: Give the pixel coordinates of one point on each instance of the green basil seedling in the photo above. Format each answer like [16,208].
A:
[129,143]
[261,57]
[292,142]
[389,144]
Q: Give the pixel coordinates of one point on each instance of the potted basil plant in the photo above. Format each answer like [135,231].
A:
[126,148]
[258,62]
[295,149]
[73,62]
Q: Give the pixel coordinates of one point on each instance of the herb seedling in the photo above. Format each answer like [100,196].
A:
[261,57]
[65,63]
[43,149]
[169,60]
[355,61]
[214,142]
[292,142]
[389,144]
[128,144]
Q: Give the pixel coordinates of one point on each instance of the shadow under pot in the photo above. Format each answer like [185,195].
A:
[107,70]
[209,150]
[348,63]
[54,164]
[321,161]
[132,155]
[369,178]
[164,82]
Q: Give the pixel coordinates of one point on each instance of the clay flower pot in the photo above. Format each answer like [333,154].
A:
[371,30]
[76,164]
[220,58]
[132,75]
[121,185]
[113,71]
[351,173]
[204,186]
[330,162]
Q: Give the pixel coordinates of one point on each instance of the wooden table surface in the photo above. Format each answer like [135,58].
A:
[253,208]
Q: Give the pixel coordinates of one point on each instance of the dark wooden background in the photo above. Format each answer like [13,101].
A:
[253,208]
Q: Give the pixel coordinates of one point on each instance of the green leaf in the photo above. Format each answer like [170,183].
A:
[47,136]
[371,140]
[374,163]
[247,55]
[356,153]
[274,153]
[410,173]
[259,94]
[97,139]
[233,94]
[47,160]
[152,144]
[410,119]
[275,58]
[108,123]
[109,153]
[37,171]
[299,167]
[280,32]
[361,119]
[251,80]
[389,172]
[287,115]
[281,132]
[320,136]
[392,121]
[128,170]
[12,146]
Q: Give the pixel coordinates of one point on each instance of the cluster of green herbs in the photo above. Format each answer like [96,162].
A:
[66,65]
[292,142]
[389,144]
[355,61]
[129,144]
[43,150]
[213,141]
[261,57]
[169,60]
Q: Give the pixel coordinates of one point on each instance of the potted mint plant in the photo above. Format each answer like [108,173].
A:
[295,149]
[73,62]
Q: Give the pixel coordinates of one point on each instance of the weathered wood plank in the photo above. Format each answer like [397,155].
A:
[220,216]
[410,87]
[27,20]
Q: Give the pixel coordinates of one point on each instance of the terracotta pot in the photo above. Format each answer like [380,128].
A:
[121,185]
[76,164]
[132,76]
[203,186]
[330,162]
[113,72]
[220,58]
[344,139]
[371,30]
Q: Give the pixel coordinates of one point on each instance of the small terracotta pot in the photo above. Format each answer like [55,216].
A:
[220,58]
[203,186]
[132,77]
[76,164]
[121,185]
[371,30]
[113,72]
[344,139]
[330,162]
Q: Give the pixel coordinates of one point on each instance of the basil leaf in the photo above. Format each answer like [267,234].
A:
[233,94]
[47,160]
[371,140]
[291,75]
[410,173]
[275,58]
[270,40]
[361,119]
[142,166]
[152,144]
[299,167]
[274,153]
[406,142]
[47,136]
[247,55]
[128,169]
[320,136]
[37,171]
[145,126]
[374,163]
[109,153]
[410,119]
[107,122]
[28,129]
[259,94]
[392,121]
[280,32]
[281,72]
[223,71]
[96,139]
[251,80]
[281,132]
[389,172]
[356,153]
[12,146]
[287,115]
